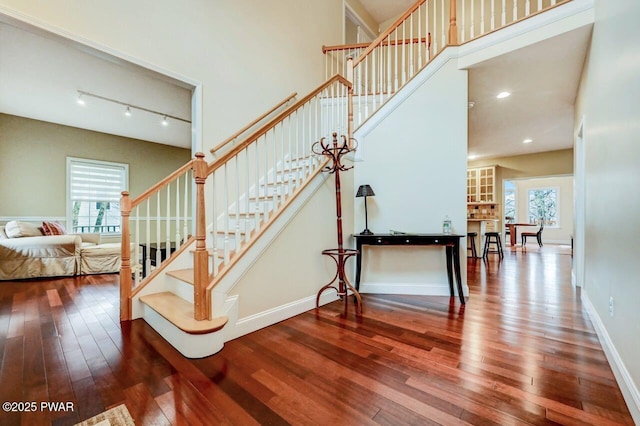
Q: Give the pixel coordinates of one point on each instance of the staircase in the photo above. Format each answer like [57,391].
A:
[182,237]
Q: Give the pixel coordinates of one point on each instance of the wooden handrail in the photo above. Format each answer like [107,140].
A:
[253,123]
[215,164]
[326,49]
[140,198]
[378,41]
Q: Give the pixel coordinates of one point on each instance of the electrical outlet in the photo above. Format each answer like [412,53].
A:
[611,306]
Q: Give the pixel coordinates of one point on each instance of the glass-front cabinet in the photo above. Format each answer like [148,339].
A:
[481,184]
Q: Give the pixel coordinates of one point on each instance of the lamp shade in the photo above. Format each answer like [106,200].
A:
[365,191]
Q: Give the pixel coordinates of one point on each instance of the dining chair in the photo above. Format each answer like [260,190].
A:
[538,235]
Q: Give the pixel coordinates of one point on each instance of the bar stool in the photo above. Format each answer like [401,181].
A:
[492,238]
[471,236]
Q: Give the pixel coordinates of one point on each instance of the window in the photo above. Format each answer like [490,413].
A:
[543,204]
[93,195]
[510,204]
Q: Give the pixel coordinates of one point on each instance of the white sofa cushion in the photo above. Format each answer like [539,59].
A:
[17,229]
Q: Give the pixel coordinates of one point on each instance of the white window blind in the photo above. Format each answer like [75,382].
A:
[93,195]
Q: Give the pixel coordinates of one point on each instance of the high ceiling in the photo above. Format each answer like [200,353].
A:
[40,76]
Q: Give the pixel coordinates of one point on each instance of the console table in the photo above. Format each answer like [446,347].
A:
[451,242]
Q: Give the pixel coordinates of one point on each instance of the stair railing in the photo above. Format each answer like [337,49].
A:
[256,179]
[478,18]
[155,226]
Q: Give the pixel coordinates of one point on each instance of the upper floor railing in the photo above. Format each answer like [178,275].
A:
[384,66]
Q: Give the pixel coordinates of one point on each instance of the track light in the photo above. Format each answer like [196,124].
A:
[129,107]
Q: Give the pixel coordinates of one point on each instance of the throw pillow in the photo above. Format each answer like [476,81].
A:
[17,229]
[53,228]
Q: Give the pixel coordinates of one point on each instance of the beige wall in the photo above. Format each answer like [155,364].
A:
[418,180]
[246,54]
[612,154]
[33,163]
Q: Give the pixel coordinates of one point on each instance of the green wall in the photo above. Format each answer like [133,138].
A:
[33,163]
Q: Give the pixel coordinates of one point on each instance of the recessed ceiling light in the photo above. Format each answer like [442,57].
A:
[80,99]
[503,95]
[165,122]
[471,104]
[127,112]
[527,141]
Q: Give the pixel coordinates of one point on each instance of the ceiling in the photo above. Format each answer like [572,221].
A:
[40,76]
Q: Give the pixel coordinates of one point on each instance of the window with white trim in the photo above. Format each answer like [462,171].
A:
[543,206]
[93,195]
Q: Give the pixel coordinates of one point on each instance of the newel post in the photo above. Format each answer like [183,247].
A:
[201,257]
[126,283]
[453,27]
[350,100]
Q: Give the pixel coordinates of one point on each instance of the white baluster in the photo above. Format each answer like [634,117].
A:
[148,237]
[426,30]
[158,236]
[389,86]
[396,72]
[419,37]
[225,181]
[138,274]
[188,181]
[472,20]
[178,211]
[493,15]
[515,10]
[410,47]
[404,56]
[435,26]
[503,20]
[214,225]
[482,18]
[527,8]
[365,64]
[247,192]
[167,220]
[237,191]
[539,5]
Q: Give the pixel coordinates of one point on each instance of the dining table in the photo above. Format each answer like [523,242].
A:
[513,228]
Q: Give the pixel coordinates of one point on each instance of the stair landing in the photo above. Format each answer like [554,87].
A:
[181,313]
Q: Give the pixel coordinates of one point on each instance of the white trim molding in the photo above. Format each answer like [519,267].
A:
[626,383]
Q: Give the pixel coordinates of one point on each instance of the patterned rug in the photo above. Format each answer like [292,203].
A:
[116,416]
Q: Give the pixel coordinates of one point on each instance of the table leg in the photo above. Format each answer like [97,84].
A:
[358,264]
[512,235]
[456,265]
[449,251]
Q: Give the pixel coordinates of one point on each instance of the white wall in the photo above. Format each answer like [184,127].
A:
[608,102]
[415,161]
[247,54]
[560,234]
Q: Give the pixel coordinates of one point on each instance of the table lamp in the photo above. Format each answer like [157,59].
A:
[365,191]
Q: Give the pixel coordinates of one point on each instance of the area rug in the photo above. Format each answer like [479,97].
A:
[116,416]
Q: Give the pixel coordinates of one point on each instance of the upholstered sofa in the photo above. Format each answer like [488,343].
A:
[25,252]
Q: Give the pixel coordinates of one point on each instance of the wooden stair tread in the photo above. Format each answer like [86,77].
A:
[186,275]
[180,313]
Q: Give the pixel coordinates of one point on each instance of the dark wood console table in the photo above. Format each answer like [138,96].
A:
[451,242]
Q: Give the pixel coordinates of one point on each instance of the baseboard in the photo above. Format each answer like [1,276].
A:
[409,288]
[628,388]
[269,317]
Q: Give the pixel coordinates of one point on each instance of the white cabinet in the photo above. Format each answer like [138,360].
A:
[481,184]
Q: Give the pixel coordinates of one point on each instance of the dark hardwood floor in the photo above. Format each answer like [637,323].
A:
[522,351]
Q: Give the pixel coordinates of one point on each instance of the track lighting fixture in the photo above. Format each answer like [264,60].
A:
[129,107]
